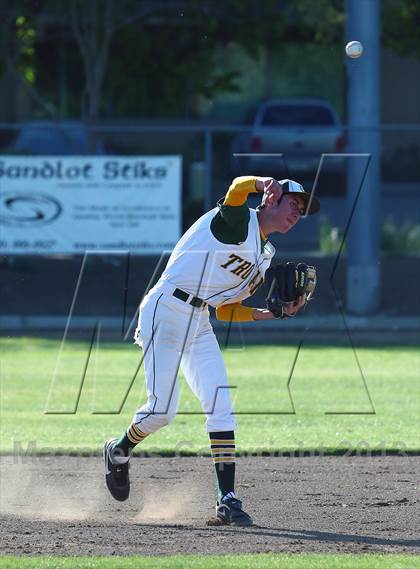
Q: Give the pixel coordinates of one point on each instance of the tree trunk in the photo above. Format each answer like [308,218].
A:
[93,35]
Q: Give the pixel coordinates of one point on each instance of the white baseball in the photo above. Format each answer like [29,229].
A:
[354,49]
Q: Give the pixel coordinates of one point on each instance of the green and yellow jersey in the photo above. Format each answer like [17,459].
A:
[232,223]
[223,256]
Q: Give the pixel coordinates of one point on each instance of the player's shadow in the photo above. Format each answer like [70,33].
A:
[315,535]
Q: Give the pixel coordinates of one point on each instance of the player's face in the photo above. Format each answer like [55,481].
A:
[288,212]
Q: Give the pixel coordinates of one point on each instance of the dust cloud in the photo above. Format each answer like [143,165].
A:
[37,489]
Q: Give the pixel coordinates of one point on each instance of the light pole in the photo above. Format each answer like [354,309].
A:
[363,105]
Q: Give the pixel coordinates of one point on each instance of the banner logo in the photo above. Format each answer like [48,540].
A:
[28,210]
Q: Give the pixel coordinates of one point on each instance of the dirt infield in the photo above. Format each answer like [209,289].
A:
[59,506]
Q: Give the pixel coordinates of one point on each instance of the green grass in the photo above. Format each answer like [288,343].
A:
[260,561]
[325,380]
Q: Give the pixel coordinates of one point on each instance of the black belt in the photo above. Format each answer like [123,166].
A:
[194,301]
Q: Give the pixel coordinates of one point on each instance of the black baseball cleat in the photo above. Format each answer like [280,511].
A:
[229,512]
[116,473]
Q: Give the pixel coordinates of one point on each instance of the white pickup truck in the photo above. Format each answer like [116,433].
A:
[288,138]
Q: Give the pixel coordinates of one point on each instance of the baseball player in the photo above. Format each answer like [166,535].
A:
[220,261]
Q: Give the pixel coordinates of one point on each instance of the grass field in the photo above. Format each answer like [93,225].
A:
[326,382]
[260,561]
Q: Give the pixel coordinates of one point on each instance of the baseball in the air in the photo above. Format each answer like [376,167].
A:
[354,49]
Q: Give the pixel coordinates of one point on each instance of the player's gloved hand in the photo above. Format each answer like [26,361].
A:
[288,287]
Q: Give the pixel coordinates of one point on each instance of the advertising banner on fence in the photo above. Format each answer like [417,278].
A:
[54,204]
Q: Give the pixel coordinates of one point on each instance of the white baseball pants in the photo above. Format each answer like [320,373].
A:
[174,334]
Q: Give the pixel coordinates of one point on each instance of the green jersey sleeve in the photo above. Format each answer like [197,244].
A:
[230,224]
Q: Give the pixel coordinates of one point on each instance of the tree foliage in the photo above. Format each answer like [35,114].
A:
[401,27]
[94,23]
[321,22]
[161,62]
[153,57]
[17,37]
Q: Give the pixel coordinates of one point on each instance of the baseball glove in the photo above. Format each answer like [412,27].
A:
[286,283]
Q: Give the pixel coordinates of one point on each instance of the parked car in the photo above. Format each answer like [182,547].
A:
[300,129]
[54,138]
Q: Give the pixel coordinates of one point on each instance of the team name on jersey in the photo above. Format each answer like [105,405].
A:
[242,268]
